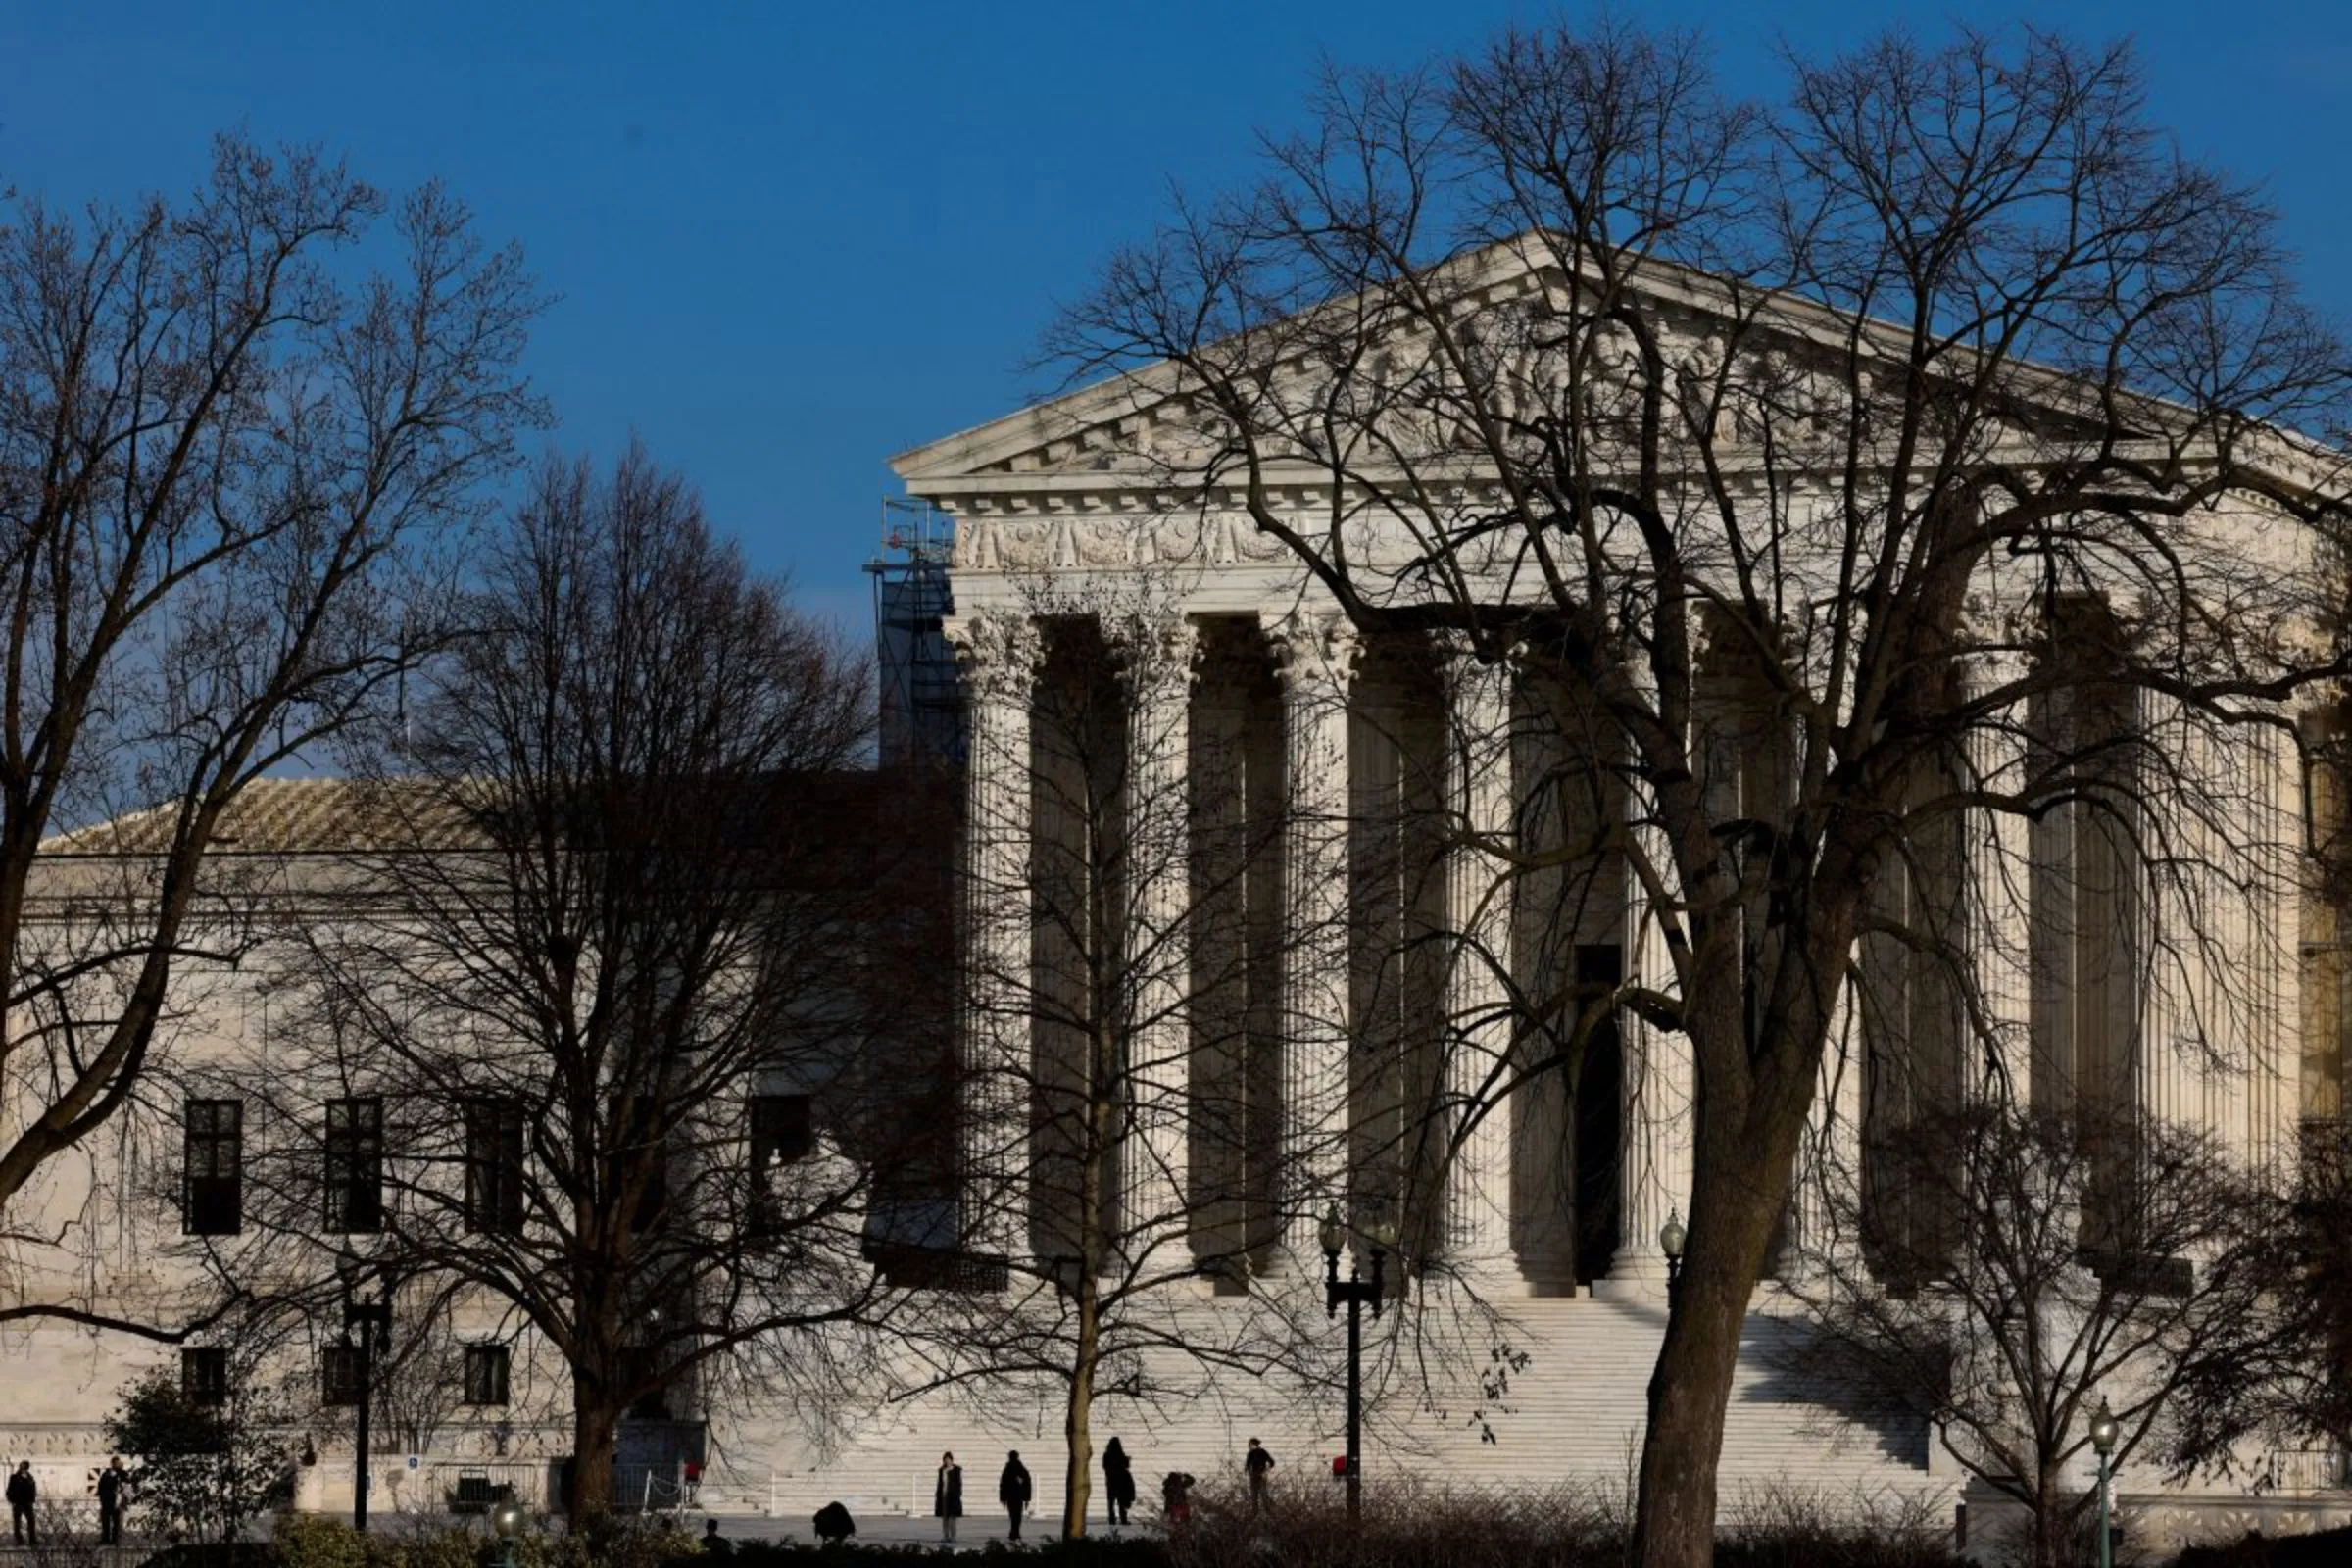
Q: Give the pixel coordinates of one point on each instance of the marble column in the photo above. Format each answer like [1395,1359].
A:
[1999,867]
[1659,1075]
[2275,1108]
[1155,656]
[1477,993]
[1828,1191]
[1000,656]
[1315,658]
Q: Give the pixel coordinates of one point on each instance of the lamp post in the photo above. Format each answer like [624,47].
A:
[506,1520]
[1353,1293]
[1671,1237]
[370,1322]
[2102,1443]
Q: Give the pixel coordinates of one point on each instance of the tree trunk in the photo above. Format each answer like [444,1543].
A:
[594,1429]
[1740,1189]
[2051,1518]
[1078,1419]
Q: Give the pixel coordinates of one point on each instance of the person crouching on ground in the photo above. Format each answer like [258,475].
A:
[947,1498]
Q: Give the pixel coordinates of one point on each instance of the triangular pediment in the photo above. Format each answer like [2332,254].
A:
[1147,430]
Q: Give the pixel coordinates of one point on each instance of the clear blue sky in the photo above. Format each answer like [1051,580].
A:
[793,238]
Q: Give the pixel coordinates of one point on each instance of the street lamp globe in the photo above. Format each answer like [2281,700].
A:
[2103,1428]
[1335,1231]
[1382,1235]
[507,1519]
[1672,1236]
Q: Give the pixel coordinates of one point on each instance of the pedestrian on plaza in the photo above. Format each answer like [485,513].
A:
[22,1492]
[113,1481]
[1258,1465]
[947,1497]
[714,1543]
[833,1524]
[1013,1490]
[1118,1480]
[1176,1498]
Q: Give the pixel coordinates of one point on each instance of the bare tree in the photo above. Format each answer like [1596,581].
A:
[1784,451]
[2042,1288]
[231,467]
[582,1041]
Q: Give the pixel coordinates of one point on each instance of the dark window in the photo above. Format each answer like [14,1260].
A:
[485,1374]
[638,1365]
[493,1166]
[204,1374]
[355,1165]
[342,1366]
[214,1157]
[783,1130]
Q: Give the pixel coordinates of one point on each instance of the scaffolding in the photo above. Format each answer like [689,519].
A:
[922,716]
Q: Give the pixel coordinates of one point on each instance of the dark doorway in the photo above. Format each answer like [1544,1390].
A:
[1598,1135]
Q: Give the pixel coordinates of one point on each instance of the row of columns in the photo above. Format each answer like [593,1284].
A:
[1314,656]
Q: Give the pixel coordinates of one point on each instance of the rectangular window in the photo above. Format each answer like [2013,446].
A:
[340,1374]
[485,1374]
[783,1131]
[493,1166]
[204,1374]
[355,1165]
[214,1159]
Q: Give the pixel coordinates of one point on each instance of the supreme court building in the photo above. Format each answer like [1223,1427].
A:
[1384,922]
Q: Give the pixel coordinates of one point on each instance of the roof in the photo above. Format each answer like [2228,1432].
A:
[290,816]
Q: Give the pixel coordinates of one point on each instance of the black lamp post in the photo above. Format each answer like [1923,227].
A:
[1353,1293]
[1671,1237]
[367,1326]
[2103,1433]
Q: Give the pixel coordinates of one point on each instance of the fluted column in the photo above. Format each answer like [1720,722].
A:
[1478,1002]
[2273,1111]
[1659,1073]
[1000,656]
[1314,655]
[1828,1194]
[1155,655]
[2000,913]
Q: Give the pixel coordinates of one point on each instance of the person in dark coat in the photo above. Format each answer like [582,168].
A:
[111,1484]
[717,1545]
[22,1492]
[1118,1480]
[1012,1490]
[947,1497]
[834,1524]
[1258,1465]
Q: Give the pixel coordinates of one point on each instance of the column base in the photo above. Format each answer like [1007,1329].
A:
[1635,1275]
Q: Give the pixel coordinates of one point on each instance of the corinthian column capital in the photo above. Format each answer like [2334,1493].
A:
[1311,648]
[999,654]
[1157,655]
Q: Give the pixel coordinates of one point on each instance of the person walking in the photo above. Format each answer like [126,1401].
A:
[111,1483]
[22,1492]
[947,1497]
[1258,1465]
[1012,1490]
[1118,1481]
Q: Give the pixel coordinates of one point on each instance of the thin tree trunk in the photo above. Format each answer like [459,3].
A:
[1078,1419]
